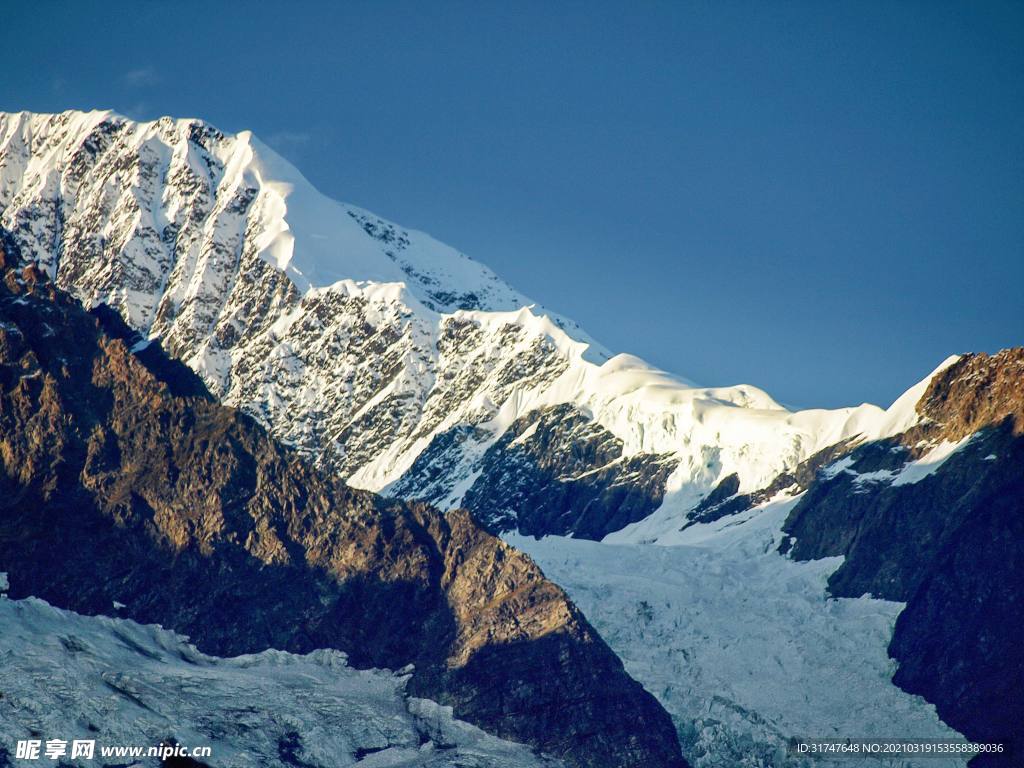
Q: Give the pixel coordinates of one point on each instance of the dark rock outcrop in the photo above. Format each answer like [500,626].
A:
[556,471]
[116,485]
[950,545]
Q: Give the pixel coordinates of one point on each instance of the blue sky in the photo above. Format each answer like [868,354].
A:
[822,199]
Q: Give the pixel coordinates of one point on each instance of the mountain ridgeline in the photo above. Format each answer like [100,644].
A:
[385,356]
[124,483]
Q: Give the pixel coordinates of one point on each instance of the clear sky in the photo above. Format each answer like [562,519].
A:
[823,199]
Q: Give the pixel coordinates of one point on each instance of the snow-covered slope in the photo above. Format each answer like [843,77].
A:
[121,684]
[358,341]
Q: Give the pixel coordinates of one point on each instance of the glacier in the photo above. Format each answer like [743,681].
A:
[119,683]
[743,647]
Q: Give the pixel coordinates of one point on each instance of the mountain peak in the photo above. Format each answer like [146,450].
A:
[384,354]
[314,240]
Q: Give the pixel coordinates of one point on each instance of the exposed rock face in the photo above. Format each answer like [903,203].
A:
[935,518]
[976,392]
[185,232]
[114,488]
[557,472]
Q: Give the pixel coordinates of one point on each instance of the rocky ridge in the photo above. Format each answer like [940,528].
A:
[930,517]
[910,546]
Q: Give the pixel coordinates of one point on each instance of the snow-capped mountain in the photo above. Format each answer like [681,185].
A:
[406,368]
[386,355]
